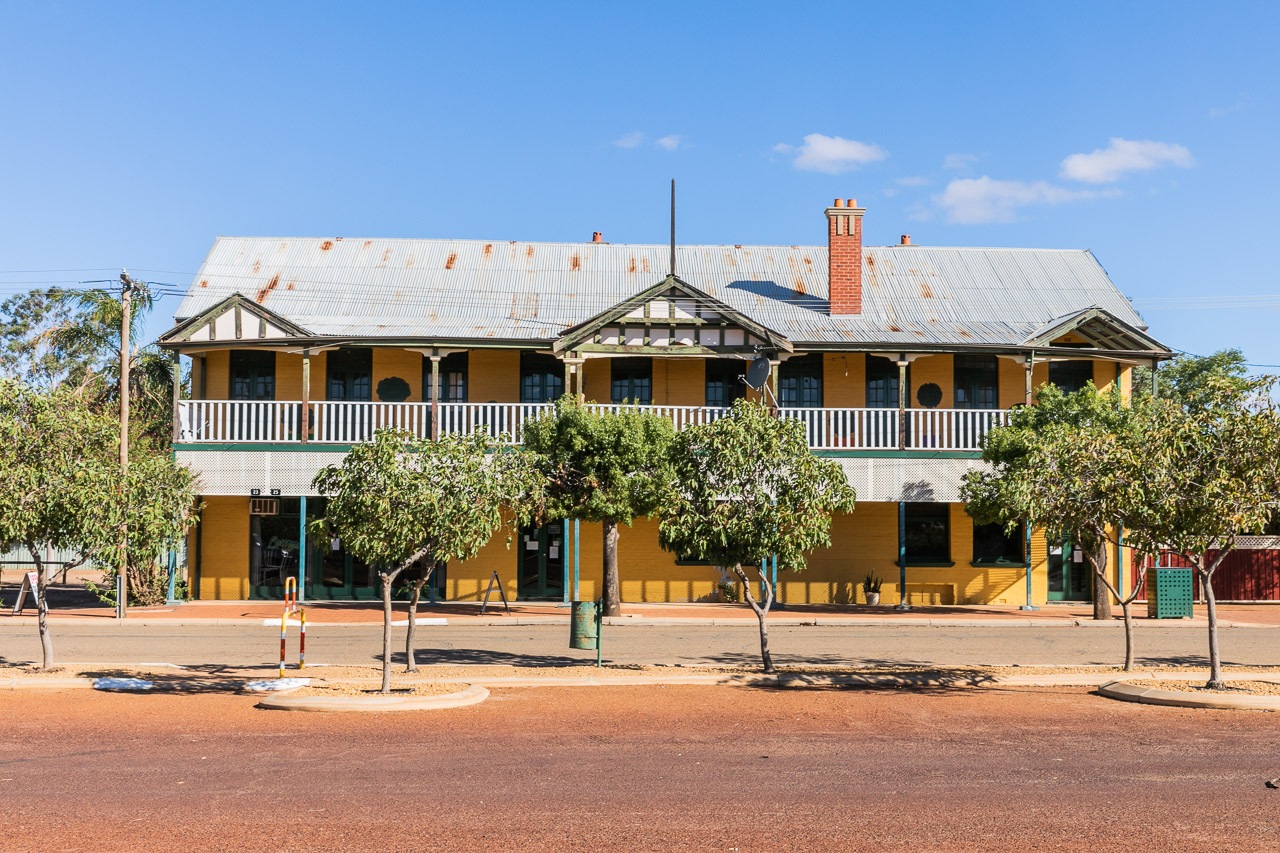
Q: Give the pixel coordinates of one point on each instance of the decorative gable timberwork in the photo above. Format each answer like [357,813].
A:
[236,318]
[1095,328]
[670,318]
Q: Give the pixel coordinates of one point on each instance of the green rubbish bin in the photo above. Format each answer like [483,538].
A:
[584,626]
[1169,593]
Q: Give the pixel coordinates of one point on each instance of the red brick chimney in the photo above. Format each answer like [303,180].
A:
[844,256]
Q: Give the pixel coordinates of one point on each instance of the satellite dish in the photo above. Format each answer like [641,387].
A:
[758,373]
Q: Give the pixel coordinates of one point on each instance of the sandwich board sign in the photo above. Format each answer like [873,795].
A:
[30,582]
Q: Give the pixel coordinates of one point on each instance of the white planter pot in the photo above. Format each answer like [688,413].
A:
[872,597]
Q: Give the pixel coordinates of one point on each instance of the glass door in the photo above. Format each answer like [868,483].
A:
[541,562]
[349,378]
[1070,578]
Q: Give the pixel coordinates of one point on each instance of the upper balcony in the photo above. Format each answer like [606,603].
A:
[828,429]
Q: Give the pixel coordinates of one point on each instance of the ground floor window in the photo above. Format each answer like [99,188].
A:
[991,544]
[928,533]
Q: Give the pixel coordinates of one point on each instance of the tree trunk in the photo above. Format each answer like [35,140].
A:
[411,665]
[762,613]
[612,597]
[1211,609]
[386,632]
[1101,592]
[42,608]
[1126,607]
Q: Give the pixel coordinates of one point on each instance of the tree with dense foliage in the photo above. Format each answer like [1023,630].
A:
[1057,466]
[56,337]
[1198,477]
[600,465]
[746,488]
[400,501]
[62,485]
[1185,380]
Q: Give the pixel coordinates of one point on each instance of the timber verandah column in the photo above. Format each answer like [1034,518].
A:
[1026,526]
[903,390]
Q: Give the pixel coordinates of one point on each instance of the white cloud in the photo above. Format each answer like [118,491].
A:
[831,154]
[912,181]
[890,192]
[1241,102]
[973,201]
[959,161]
[671,143]
[1124,155]
[629,140]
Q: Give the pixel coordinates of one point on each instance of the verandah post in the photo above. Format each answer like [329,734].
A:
[305,422]
[1026,555]
[902,557]
[435,397]
[302,548]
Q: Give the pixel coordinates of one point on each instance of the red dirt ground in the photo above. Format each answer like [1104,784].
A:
[651,768]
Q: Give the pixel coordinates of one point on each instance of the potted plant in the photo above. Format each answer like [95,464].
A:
[871,588]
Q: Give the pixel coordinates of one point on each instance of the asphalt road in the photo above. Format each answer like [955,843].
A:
[548,645]
[648,768]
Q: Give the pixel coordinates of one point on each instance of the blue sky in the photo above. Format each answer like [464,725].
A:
[137,132]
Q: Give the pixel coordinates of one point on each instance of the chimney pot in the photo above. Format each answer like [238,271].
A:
[853,202]
[906,239]
[838,203]
[597,237]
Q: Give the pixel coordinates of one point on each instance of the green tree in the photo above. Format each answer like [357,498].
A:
[1056,465]
[88,330]
[745,488]
[600,466]
[1185,380]
[1199,477]
[26,352]
[398,501]
[63,486]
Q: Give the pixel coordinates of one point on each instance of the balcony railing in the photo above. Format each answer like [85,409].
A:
[268,422]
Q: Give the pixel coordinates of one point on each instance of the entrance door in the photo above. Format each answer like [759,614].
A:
[542,561]
[1069,573]
[350,379]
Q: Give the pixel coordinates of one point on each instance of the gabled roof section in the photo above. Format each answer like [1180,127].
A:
[235,318]
[674,317]
[1096,327]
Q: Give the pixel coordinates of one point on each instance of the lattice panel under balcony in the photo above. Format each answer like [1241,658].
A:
[235,472]
[908,479]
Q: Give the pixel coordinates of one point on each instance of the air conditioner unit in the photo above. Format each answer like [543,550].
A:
[264,506]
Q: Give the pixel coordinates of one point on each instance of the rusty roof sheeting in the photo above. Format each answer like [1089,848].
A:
[477,289]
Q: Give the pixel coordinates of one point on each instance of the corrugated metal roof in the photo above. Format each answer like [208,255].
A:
[532,291]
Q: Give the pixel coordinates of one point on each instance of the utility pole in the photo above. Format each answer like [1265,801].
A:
[127,285]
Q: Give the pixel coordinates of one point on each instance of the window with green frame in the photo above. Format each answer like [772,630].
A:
[1070,376]
[882,383]
[631,380]
[928,533]
[724,381]
[977,382]
[453,378]
[991,544]
[253,375]
[349,374]
[541,377]
[800,382]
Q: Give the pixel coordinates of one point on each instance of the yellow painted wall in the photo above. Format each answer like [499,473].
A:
[1012,383]
[681,381]
[493,375]
[224,548]
[844,380]
[399,363]
[217,380]
[938,369]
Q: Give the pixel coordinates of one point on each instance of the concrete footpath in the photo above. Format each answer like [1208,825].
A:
[332,614]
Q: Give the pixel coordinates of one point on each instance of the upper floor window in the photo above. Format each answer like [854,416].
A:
[977,382]
[350,374]
[1070,376]
[453,378]
[800,382]
[724,381]
[631,380]
[253,375]
[883,379]
[541,377]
